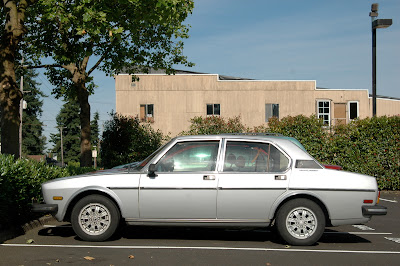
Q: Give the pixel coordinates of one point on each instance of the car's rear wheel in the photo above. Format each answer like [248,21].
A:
[300,222]
[95,218]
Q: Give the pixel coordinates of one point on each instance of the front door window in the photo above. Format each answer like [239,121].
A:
[198,156]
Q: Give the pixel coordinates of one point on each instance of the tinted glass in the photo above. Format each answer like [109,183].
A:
[254,157]
[196,156]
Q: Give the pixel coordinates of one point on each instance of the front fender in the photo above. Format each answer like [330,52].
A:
[61,214]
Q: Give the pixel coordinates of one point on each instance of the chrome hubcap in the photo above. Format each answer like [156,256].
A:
[94,219]
[301,223]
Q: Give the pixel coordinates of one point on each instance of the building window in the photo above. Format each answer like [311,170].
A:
[213,109]
[271,110]
[147,112]
[353,110]
[324,112]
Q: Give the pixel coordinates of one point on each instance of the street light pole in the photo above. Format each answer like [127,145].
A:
[375,23]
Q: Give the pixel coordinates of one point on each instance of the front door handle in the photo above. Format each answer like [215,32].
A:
[209,177]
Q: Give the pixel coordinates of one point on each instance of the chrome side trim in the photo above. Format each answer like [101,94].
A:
[335,189]
[178,188]
[196,220]
[250,188]
[116,188]
[205,188]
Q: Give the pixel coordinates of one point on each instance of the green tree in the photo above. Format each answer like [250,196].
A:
[33,141]
[111,36]
[125,140]
[68,121]
[94,126]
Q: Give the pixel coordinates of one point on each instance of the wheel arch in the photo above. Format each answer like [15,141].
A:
[293,196]
[87,192]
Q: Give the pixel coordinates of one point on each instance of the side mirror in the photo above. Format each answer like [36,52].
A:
[152,170]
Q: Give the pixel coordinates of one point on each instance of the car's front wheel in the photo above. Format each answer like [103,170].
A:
[95,218]
[300,222]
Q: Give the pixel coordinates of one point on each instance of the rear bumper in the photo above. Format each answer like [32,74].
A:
[374,210]
[47,208]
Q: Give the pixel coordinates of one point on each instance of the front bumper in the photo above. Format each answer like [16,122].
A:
[374,210]
[47,208]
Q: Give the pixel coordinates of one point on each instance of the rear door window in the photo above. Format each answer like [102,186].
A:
[254,157]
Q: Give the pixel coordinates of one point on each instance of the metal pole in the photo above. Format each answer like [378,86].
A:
[62,148]
[373,72]
[21,110]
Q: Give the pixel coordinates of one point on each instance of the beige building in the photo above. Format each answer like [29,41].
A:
[170,101]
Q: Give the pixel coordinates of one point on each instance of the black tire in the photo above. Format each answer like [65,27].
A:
[300,222]
[95,218]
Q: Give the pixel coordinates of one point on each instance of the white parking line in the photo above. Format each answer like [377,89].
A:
[209,248]
[358,233]
[397,240]
[363,227]
[393,201]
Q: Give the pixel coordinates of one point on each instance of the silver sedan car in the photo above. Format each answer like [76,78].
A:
[218,180]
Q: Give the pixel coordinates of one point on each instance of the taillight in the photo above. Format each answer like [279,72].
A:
[379,195]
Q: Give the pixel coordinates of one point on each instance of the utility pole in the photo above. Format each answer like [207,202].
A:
[376,24]
[62,148]
[21,110]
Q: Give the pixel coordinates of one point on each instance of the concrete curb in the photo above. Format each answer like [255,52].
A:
[15,231]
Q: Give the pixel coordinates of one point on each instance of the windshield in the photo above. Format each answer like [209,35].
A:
[143,163]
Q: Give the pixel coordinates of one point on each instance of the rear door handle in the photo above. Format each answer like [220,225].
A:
[280,177]
[209,177]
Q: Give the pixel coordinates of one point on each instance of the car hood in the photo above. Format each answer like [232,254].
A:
[107,172]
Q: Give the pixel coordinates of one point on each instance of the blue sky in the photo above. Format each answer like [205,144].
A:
[326,41]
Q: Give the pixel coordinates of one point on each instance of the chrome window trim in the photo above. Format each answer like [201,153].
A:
[167,148]
[256,141]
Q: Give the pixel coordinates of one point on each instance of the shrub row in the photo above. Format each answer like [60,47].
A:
[369,146]
[126,139]
[20,185]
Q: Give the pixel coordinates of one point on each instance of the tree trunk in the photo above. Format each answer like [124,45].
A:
[83,98]
[10,95]
[86,150]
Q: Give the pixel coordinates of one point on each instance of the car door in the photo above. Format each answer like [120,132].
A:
[184,185]
[253,175]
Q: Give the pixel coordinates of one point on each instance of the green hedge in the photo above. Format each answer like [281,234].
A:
[369,146]
[20,185]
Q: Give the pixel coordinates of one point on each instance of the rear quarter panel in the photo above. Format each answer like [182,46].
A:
[342,192]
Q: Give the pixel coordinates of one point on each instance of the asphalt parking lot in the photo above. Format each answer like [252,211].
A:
[376,243]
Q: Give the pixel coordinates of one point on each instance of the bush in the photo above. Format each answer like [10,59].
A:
[370,146]
[20,185]
[214,125]
[125,140]
[309,131]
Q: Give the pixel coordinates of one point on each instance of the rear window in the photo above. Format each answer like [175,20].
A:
[307,164]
